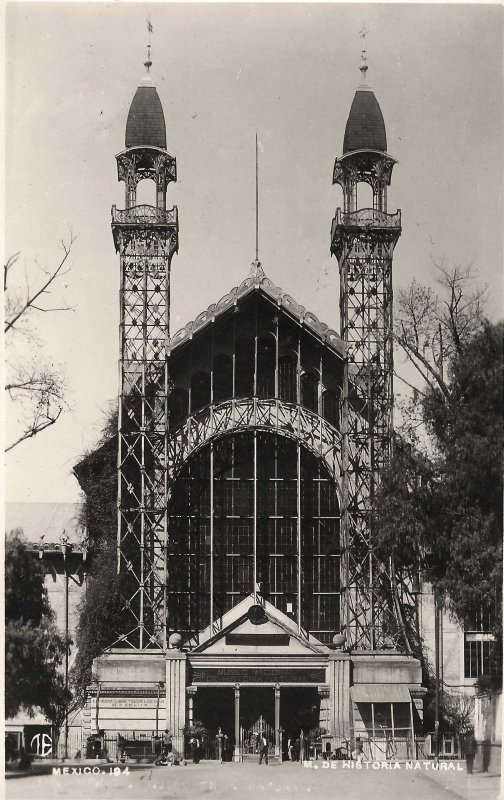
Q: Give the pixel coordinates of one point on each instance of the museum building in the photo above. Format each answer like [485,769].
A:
[249,447]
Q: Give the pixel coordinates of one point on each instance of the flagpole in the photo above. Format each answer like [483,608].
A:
[257,199]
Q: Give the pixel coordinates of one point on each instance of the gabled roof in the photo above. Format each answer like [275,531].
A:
[257,281]
[236,620]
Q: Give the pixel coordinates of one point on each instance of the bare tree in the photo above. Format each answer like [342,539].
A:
[458,711]
[432,327]
[36,387]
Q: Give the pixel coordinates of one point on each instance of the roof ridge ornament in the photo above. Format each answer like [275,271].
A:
[256,271]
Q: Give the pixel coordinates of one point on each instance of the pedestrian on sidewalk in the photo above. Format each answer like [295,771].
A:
[195,749]
[264,750]
[358,753]
[470,748]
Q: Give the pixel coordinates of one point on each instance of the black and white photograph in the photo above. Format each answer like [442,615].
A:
[253,362]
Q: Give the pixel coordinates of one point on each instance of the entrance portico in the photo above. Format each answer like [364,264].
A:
[255,673]
[258,654]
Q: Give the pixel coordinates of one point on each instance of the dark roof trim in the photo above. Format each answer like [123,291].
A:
[257,281]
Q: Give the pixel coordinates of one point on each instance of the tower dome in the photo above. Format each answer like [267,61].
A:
[365,128]
[146,123]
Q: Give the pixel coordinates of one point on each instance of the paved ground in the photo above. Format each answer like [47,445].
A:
[211,781]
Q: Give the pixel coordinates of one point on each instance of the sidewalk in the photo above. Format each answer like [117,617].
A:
[45,766]
[478,786]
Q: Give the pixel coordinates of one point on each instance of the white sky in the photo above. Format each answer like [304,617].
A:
[224,71]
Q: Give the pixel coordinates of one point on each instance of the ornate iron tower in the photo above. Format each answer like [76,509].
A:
[363,240]
[146,237]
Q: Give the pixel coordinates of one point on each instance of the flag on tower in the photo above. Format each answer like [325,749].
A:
[149,26]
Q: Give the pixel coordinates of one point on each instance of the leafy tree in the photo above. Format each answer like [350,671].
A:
[34,649]
[439,504]
[99,610]
[35,385]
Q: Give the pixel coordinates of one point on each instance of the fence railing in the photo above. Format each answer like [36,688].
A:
[144,213]
[367,216]
[398,748]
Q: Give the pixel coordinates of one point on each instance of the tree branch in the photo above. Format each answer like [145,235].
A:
[36,428]
[31,299]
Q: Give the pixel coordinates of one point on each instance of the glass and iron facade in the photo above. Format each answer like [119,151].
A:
[269,526]
[254,508]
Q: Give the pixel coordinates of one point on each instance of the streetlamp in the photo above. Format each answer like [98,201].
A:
[64,549]
[437,632]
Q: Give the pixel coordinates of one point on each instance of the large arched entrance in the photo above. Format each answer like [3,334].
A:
[254,511]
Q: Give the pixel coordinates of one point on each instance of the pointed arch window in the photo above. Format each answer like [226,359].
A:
[200,390]
[222,377]
[244,367]
[178,405]
[266,358]
[309,390]
[287,378]
[331,407]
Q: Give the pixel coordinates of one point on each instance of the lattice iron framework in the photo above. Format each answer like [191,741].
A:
[146,238]
[374,598]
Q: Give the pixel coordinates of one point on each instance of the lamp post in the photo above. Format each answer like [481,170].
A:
[436,698]
[64,549]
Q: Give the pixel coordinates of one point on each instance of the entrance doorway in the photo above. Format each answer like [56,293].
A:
[299,714]
[214,710]
[257,720]
[244,714]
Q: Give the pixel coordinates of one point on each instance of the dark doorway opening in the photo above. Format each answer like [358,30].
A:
[214,709]
[299,711]
[257,719]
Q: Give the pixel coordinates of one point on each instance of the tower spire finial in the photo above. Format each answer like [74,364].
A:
[363,65]
[148,63]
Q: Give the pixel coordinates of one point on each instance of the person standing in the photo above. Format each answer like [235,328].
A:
[470,747]
[121,747]
[290,749]
[358,753]
[264,750]
[195,745]
[167,742]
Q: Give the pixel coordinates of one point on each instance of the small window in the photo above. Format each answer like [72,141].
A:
[309,391]
[479,646]
[200,390]
[330,407]
[266,366]
[178,404]
[287,379]
[222,378]
[244,367]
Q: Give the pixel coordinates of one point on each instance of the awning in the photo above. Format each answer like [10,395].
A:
[380,693]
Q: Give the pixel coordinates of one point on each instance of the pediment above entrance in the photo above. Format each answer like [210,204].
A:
[251,628]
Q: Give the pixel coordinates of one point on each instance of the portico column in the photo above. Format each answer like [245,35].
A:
[191,691]
[278,743]
[176,668]
[237,721]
